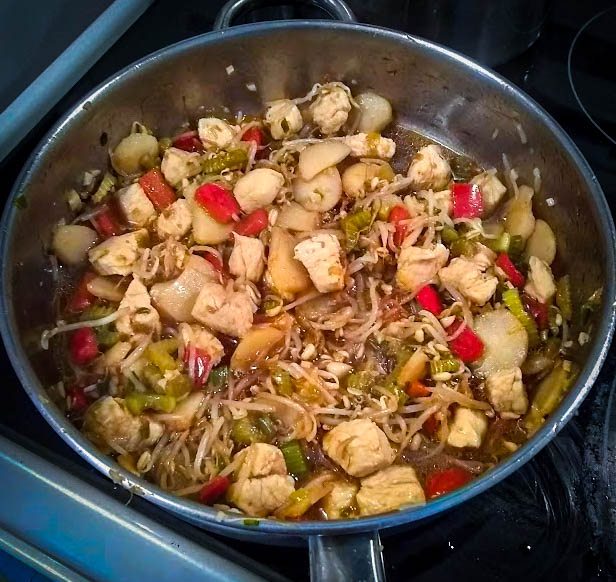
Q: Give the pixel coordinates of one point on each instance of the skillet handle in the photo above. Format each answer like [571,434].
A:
[337,9]
[348,557]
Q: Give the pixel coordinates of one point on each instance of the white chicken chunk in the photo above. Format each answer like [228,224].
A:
[417,266]
[506,392]
[141,317]
[468,428]
[283,118]
[215,132]
[109,425]
[247,259]
[175,221]
[359,446]
[224,310]
[340,501]
[262,484]
[135,204]
[258,188]
[330,109]
[492,189]
[540,283]
[370,145]
[178,165]
[320,254]
[117,255]
[388,490]
[466,276]
[429,169]
[200,338]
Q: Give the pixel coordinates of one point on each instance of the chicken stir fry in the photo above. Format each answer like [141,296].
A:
[281,317]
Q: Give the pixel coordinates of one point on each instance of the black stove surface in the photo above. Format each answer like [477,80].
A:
[553,519]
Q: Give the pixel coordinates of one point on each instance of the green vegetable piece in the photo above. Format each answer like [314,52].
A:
[164,143]
[151,375]
[392,386]
[449,235]
[106,336]
[218,378]
[251,522]
[511,299]
[178,386]
[281,379]
[462,247]
[137,402]
[265,423]
[96,311]
[354,224]
[500,244]
[74,201]
[445,365]
[231,160]
[563,297]
[159,354]
[245,432]
[294,459]
[361,381]
[516,247]
[107,185]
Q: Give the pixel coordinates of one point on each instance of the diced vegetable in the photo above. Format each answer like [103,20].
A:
[246,432]
[413,369]
[543,358]
[81,298]
[360,381]
[107,185]
[429,299]
[253,223]
[520,219]
[199,365]
[157,190]
[254,134]
[294,459]
[158,353]
[255,347]
[500,244]
[78,400]
[511,299]
[467,346]
[417,389]
[538,310]
[288,276]
[303,499]
[134,153]
[106,288]
[504,262]
[214,489]
[72,242]
[219,377]
[449,235]
[445,481]
[396,215]
[188,141]
[445,365]
[563,297]
[462,247]
[354,224]
[375,112]
[83,346]
[542,242]
[295,217]
[231,160]
[316,158]
[467,200]
[137,402]
[178,386]
[106,223]
[281,379]
[218,202]
[516,246]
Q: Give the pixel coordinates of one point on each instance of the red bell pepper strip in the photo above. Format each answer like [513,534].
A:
[81,298]
[213,489]
[83,346]
[430,426]
[188,141]
[218,202]
[253,223]
[538,310]
[467,346]
[201,365]
[467,200]
[78,399]
[417,389]
[157,189]
[446,480]
[215,262]
[429,300]
[397,214]
[106,223]
[504,262]
[253,134]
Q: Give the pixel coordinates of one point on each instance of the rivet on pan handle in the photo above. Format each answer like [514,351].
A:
[337,9]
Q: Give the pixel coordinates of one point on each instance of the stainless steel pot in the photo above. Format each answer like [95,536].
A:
[433,90]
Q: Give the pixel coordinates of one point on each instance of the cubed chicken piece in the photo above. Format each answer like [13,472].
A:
[438,201]
[330,109]
[492,189]
[320,254]
[370,145]
[247,259]
[117,255]
[429,169]
[175,221]
[388,490]
[417,266]
[540,282]
[340,501]
[483,257]
[110,426]
[215,132]
[178,165]
[260,460]
[202,339]
[468,428]
[359,446]
[135,204]
[466,276]
[258,188]
[283,118]
[506,391]
[141,317]
[224,310]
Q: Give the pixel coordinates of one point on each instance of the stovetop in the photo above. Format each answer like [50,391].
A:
[555,518]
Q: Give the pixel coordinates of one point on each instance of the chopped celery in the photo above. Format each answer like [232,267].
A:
[245,432]
[563,297]
[392,386]
[500,244]
[354,224]
[137,402]
[265,423]
[446,365]
[294,458]
[219,377]
[159,354]
[361,381]
[462,247]
[449,235]
[107,184]
[178,385]
[231,160]
[516,246]
[151,375]
[281,379]
[511,299]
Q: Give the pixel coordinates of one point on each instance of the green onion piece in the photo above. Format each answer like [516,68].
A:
[449,235]
[294,458]
[516,246]
[159,352]
[137,402]
[245,432]
[232,160]
[511,299]
[360,381]
[74,200]
[281,379]
[218,378]
[563,297]
[265,423]
[354,224]
[500,244]
[462,247]
[178,385]
[446,365]
[107,184]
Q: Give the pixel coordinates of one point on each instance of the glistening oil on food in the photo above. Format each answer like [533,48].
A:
[280,316]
